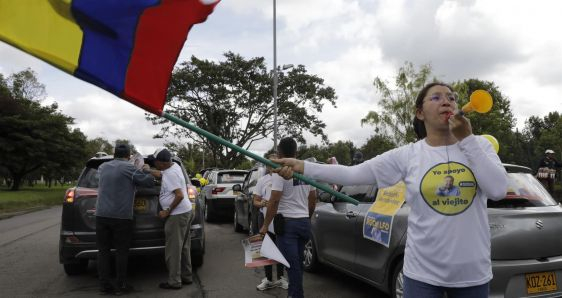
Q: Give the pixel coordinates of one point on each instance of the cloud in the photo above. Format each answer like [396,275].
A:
[456,37]
[106,116]
[348,43]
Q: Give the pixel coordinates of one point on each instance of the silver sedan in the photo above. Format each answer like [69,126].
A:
[525,229]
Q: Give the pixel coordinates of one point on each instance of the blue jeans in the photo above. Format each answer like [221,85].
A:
[418,289]
[291,244]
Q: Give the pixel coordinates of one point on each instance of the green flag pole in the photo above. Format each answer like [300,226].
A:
[266,161]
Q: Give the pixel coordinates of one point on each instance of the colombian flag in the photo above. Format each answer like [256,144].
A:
[128,47]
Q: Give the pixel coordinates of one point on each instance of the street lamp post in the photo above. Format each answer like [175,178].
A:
[275,75]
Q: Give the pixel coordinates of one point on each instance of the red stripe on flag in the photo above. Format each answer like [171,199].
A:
[161,33]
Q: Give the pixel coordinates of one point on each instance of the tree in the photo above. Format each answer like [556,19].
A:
[232,99]
[398,104]
[342,151]
[377,144]
[34,136]
[541,134]
[320,153]
[128,143]
[499,121]
[193,156]
[98,145]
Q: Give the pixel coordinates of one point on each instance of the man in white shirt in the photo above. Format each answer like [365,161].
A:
[295,201]
[262,194]
[176,209]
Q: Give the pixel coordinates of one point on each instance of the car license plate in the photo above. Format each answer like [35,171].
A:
[140,205]
[235,192]
[541,282]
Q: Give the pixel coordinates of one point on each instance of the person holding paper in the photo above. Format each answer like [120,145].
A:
[262,194]
[292,202]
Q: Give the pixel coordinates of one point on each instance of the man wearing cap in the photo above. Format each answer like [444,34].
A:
[176,209]
[114,216]
[548,165]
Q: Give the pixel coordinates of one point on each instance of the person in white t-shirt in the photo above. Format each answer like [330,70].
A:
[295,201]
[448,240]
[176,210]
[262,194]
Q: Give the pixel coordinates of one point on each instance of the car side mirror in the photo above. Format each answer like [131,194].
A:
[325,197]
[237,187]
[196,182]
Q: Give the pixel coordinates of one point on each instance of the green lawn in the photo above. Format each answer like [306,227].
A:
[30,197]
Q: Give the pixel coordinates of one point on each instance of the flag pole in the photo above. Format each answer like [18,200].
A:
[254,156]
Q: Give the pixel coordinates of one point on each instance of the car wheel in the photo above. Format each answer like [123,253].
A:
[208,212]
[398,281]
[310,256]
[237,226]
[77,268]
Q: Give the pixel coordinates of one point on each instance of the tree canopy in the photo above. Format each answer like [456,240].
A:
[233,99]
[397,104]
[34,136]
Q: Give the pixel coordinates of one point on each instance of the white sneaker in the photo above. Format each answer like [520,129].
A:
[282,283]
[265,284]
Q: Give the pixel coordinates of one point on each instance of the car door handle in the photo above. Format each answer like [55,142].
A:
[350,214]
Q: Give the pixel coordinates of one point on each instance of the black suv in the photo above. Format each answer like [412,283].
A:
[78,223]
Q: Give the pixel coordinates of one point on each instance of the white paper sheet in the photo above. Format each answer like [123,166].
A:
[270,251]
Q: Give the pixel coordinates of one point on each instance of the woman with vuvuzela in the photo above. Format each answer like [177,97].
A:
[448,240]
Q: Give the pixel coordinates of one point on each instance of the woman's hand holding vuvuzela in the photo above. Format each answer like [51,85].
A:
[460,126]
[288,166]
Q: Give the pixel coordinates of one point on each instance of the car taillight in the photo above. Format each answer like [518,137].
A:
[216,190]
[69,196]
[191,194]
[72,240]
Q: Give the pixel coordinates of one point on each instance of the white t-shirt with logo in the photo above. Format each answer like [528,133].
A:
[294,201]
[263,189]
[448,241]
[172,179]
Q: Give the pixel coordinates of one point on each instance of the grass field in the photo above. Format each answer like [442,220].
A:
[30,197]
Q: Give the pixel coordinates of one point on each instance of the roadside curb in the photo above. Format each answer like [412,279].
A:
[20,212]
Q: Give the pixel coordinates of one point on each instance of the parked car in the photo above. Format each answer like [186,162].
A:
[78,221]
[218,196]
[245,214]
[525,230]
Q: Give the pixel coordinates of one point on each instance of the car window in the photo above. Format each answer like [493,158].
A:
[90,178]
[211,178]
[257,174]
[523,190]
[361,193]
[231,177]
[248,179]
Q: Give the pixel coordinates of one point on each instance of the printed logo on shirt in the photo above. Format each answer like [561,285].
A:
[297,182]
[448,188]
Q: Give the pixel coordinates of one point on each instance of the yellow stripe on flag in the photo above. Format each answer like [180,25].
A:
[43,28]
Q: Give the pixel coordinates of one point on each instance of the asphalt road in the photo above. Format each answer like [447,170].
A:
[30,267]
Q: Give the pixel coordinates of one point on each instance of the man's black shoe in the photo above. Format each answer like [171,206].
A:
[168,286]
[124,289]
[186,282]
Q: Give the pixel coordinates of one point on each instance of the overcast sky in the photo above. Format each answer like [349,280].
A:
[514,43]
